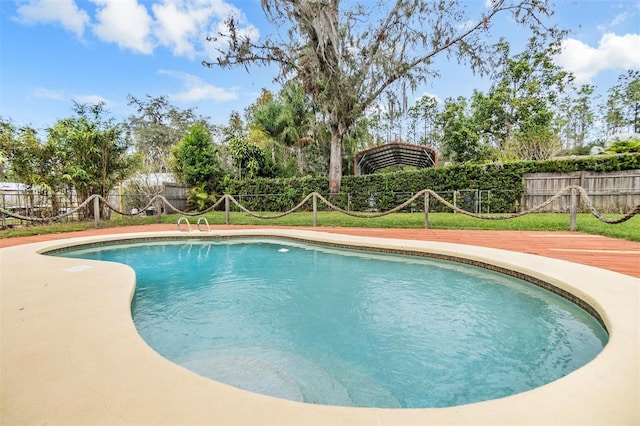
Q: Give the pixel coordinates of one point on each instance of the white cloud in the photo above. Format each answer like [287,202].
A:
[184,25]
[124,22]
[140,25]
[431,95]
[64,12]
[59,95]
[196,90]
[175,28]
[48,94]
[92,100]
[617,20]
[613,52]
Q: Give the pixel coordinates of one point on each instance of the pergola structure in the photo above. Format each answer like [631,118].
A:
[394,153]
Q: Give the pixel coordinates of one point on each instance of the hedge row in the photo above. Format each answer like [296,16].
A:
[386,190]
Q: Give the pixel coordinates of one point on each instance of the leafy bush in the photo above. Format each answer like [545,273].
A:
[619,147]
[198,199]
[386,190]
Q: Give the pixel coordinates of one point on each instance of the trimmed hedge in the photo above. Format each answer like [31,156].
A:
[275,195]
[386,190]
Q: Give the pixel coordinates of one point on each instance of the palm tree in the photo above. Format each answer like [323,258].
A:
[288,120]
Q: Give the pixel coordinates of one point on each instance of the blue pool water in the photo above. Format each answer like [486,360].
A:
[350,328]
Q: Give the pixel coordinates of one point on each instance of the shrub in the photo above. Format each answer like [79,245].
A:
[386,190]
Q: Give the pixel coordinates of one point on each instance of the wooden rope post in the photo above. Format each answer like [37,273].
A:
[315,209]
[573,210]
[226,209]
[426,210]
[96,211]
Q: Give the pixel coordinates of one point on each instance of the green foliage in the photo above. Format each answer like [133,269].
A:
[518,113]
[28,160]
[283,126]
[348,66]
[93,150]
[623,103]
[619,147]
[460,141]
[194,158]
[248,158]
[198,199]
[274,194]
[423,120]
[536,143]
[156,127]
[577,117]
[87,152]
[386,190]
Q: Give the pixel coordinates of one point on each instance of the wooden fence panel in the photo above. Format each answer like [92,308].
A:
[176,194]
[612,192]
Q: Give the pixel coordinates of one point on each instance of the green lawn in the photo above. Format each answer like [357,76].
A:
[629,230]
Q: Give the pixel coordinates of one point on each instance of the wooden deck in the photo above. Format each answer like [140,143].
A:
[608,253]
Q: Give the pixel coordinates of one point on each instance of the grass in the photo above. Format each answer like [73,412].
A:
[629,230]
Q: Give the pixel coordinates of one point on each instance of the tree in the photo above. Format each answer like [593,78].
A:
[6,137]
[425,110]
[248,158]
[31,162]
[94,151]
[194,159]
[346,59]
[266,130]
[622,107]
[287,119]
[493,116]
[156,127]
[297,120]
[578,116]
[521,104]
[460,141]
[21,151]
[235,128]
[537,143]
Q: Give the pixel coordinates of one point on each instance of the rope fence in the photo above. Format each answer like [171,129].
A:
[577,194]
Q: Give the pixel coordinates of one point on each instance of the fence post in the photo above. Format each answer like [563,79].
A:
[573,210]
[426,210]
[226,209]
[96,211]
[455,200]
[315,209]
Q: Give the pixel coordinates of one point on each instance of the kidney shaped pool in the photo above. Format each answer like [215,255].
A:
[350,328]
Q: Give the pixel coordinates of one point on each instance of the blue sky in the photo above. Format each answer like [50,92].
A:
[53,52]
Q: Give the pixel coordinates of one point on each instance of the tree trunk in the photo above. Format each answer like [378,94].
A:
[300,158]
[335,160]
[87,211]
[55,203]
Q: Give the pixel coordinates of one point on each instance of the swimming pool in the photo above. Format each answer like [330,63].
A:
[368,329]
[72,355]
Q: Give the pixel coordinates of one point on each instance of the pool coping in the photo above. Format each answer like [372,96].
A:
[70,353]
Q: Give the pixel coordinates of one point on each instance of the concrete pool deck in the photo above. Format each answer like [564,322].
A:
[70,353]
